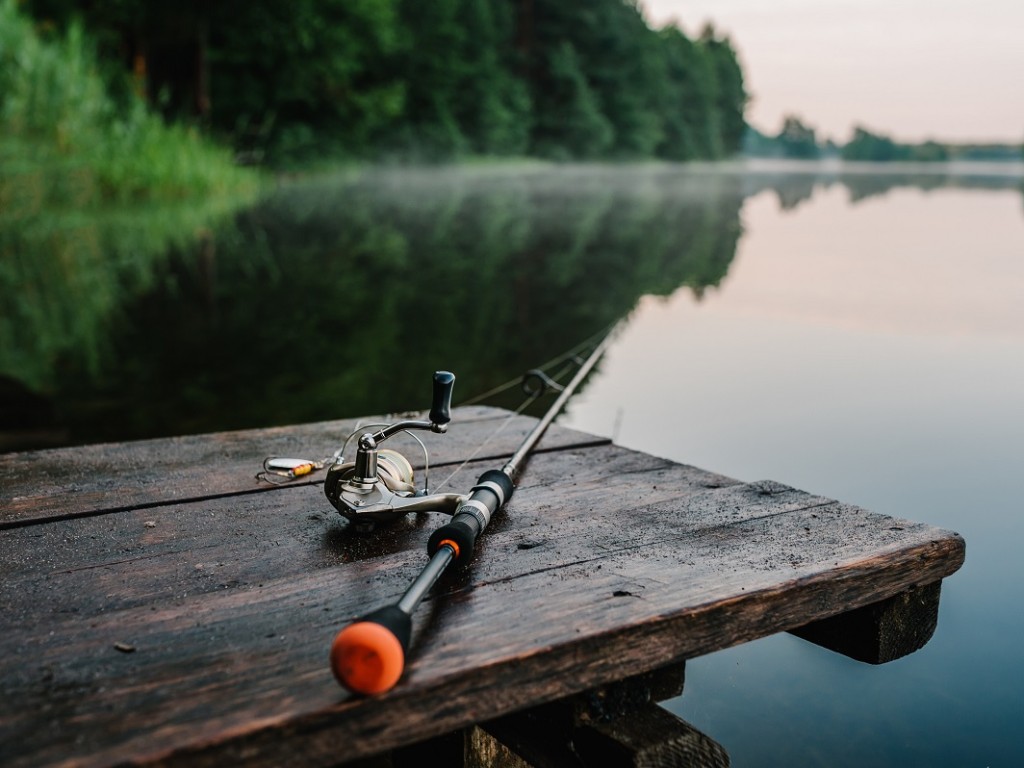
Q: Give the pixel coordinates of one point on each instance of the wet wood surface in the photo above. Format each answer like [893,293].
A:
[159,610]
[94,479]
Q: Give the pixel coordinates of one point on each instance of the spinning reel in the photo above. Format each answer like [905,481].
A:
[378,487]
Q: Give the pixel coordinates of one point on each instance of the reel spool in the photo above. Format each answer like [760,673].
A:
[395,471]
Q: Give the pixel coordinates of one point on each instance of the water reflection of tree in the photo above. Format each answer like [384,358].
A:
[797,184]
[65,278]
[334,299]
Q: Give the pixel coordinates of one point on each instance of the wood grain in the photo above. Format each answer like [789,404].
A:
[647,738]
[66,483]
[606,563]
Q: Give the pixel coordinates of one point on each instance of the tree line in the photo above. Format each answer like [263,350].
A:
[299,80]
[798,140]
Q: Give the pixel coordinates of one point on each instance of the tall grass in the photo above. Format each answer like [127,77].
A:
[65,142]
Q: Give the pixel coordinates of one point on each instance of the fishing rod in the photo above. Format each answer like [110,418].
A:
[368,656]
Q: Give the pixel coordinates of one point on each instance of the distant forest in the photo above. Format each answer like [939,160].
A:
[797,140]
[300,81]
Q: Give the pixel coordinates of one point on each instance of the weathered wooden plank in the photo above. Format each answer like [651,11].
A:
[621,697]
[485,751]
[240,673]
[139,556]
[74,482]
[228,674]
[651,737]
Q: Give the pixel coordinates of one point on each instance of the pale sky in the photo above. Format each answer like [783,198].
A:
[913,69]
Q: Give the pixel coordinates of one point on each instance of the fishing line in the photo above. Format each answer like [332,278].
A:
[570,354]
[280,470]
[501,428]
[531,397]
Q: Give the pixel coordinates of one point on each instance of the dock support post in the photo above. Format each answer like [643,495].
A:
[616,725]
[880,632]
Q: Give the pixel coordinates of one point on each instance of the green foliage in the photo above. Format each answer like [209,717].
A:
[462,95]
[797,140]
[64,140]
[293,82]
[309,70]
[929,152]
[759,144]
[691,121]
[492,104]
[986,152]
[431,63]
[731,96]
[661,94]
[867,146]
[622,62]
[570,123]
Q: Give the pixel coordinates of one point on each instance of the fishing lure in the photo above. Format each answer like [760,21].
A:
[278,470]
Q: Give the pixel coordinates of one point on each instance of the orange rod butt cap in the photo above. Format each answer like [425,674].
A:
[367,658]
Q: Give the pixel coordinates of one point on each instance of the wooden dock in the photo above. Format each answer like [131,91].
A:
[160,607]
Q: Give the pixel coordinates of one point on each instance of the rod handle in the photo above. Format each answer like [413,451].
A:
[441,407]
[368,656]
[460,534]
[492,490]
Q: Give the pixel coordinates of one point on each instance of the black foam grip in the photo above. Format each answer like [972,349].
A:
[396,621]
[500,479]
[440,408]
[462,530]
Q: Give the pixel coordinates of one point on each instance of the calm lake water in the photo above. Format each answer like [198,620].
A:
[870,349]
[853,333]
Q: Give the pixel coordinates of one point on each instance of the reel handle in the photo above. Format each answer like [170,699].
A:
[441,407]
